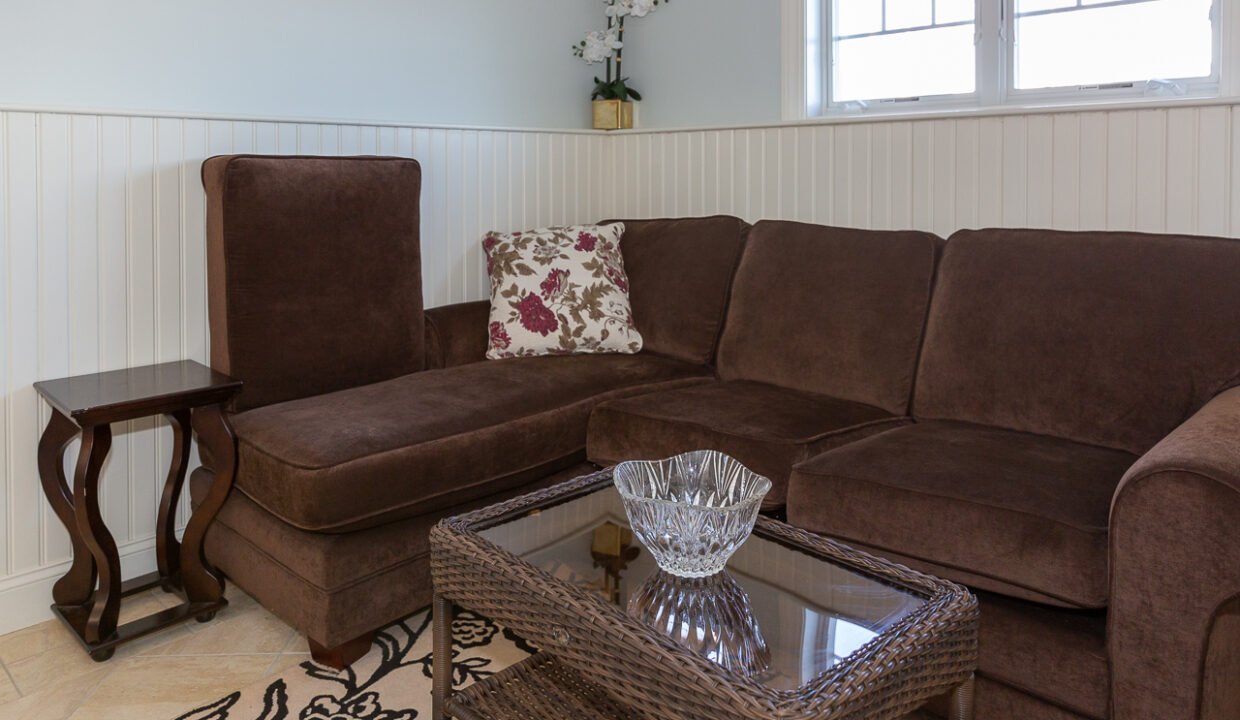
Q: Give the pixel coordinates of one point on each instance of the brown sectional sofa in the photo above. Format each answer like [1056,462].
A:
[1052,418]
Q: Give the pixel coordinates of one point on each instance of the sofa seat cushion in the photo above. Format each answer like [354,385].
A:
[768,428]
[373,454]
[1019,514]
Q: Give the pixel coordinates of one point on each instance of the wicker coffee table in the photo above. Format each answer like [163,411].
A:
[844,634]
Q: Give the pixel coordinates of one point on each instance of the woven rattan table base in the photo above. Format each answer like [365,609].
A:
[538,688]
[926,654]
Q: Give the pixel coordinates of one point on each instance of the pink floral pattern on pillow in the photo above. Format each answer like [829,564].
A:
[559,291]
[499,336]
[536,317]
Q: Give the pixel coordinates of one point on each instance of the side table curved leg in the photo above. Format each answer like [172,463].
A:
[77,587]
[202,582]
[167,548]
[101,624]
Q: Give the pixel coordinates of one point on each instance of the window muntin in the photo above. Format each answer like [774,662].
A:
[1064,43]
[901,49]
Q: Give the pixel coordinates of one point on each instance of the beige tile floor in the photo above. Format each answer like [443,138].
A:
[45,675]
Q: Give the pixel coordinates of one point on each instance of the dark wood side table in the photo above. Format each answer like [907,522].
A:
[88,597]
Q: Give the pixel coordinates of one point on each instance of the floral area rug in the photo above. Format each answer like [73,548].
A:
[393,681]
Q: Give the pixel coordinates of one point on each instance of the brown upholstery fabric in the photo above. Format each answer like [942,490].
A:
[680,274]
[1051,661]
[314,272]
[430,440]
[831,311]
[333,587]
[1175,566]
[996,700]
[1024,515]
[1109,339]
[1220,696]
[768,428]
[457,334]
[1054,654]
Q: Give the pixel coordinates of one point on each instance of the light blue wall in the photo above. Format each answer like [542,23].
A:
[467,62]
[476,62]
[706,62]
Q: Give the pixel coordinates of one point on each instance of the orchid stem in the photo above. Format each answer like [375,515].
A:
[609,26]
[620,51]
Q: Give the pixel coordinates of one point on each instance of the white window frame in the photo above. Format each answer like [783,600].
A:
[1134,89]
[896,104]
[995,28]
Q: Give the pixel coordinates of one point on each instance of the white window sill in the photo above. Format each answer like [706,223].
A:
[934,113]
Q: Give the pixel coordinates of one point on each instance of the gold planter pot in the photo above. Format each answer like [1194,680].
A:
[613,115]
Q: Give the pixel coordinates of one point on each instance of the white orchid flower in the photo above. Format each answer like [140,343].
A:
[599,46]
[602,46]
[641,8]
[618,9]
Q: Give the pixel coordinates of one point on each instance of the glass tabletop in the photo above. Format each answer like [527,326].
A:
[779,614]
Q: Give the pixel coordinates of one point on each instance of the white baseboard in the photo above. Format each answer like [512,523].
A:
[26,599]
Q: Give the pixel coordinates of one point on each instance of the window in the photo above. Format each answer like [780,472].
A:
[897,49]
[874,55]
[1061,43]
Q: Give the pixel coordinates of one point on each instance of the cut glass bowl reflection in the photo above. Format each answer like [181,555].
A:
[710,616]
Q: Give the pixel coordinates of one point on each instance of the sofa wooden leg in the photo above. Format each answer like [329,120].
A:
[344,654]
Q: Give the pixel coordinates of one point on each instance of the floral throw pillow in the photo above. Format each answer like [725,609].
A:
[559,291]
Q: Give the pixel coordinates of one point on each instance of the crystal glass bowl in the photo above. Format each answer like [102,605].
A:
[691,511]
[711,616]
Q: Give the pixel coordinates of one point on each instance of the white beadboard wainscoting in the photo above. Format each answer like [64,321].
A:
[1156,170]
[102,224]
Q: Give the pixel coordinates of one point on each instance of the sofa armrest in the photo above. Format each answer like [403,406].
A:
[457,334]
[1174,623]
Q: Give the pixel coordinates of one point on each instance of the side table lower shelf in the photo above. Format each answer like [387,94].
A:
[76,617]
[538,688]
[541,688]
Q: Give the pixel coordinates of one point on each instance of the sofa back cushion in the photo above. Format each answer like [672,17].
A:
[833,311]
[314,272]
[1106,338]
[680,273]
